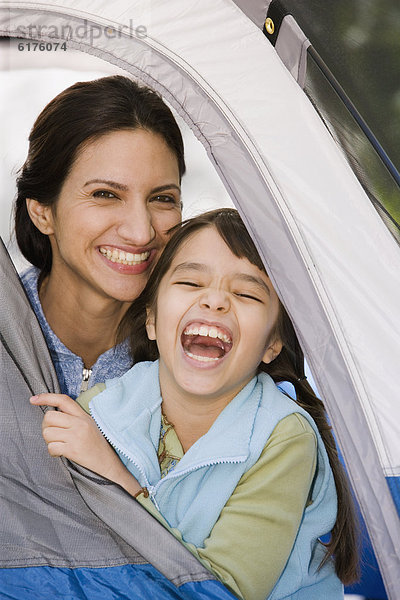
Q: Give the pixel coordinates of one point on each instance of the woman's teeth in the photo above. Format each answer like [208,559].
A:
[124,258]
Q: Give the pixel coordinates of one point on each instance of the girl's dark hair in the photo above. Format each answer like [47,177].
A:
[80,114]
[288,366]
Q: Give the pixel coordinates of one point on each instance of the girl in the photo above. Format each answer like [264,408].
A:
[242,473]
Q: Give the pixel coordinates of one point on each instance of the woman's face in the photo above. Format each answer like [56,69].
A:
[214,320]
[108,226]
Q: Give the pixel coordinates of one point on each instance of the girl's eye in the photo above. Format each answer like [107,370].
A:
[188,283]
[249,296]
[103,194]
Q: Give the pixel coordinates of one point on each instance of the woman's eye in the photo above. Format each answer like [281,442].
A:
[103,194]
[165,199]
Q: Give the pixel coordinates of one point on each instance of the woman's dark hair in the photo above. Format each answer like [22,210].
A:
[288,366]
[80,114]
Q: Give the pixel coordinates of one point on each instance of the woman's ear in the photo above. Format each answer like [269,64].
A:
[151,324]
[272,351]
[41,216]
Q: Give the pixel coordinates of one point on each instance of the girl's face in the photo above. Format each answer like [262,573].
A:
[108,226]
[214,320]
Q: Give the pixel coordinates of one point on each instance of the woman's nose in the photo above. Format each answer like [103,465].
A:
[216,300]
[135,225]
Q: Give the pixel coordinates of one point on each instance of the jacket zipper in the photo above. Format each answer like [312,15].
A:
[210,463]
[110,440]
[171,475]
[86,373]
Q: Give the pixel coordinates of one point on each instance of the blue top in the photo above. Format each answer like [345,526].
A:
[69,367]
[128,412]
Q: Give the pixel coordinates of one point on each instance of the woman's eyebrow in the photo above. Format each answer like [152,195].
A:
[124,188]
[163,188]
[118,186]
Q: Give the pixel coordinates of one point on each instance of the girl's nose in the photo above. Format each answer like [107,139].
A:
[135,226]
[216,300]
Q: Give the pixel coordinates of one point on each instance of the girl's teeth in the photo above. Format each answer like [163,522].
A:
[201,358]
[124,258]
[205,331]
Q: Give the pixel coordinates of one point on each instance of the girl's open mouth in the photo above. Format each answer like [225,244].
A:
[206,343]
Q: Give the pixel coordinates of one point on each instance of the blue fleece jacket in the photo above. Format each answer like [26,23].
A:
[128,412]
[192,495]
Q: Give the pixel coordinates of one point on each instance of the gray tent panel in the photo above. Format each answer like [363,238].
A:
[254,9]
[291,44]
[51,512]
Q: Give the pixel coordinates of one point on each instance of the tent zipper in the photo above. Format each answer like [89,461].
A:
[86,373]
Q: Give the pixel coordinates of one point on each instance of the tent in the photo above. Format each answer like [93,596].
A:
[330,247]
[59,518]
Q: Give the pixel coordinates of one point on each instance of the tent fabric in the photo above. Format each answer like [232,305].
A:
[140,582]
[291,46]
[63,531]
[255,10]
[368,159]
[328,253]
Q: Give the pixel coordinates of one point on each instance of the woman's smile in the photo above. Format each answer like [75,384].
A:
[129,262]
[124,257]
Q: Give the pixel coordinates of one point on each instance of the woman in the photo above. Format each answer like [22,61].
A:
[97,193]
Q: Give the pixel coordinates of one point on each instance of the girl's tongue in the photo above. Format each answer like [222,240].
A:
[201,345]
[205,346]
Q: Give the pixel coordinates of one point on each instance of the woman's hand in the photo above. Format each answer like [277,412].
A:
[72,433]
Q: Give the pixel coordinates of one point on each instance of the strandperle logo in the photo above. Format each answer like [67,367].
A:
[85,31]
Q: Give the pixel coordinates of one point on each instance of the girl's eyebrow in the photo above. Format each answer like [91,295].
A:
[190,266]
[260,283]
[245,277]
